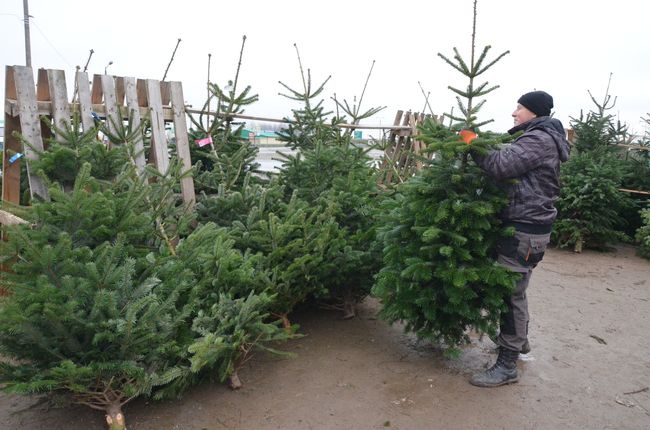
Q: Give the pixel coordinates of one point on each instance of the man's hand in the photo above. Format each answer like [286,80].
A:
[467,136]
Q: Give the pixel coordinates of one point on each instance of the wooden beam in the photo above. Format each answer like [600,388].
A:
[45,109]
[285,121]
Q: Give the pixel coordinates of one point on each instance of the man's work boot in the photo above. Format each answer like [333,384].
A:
[503,372]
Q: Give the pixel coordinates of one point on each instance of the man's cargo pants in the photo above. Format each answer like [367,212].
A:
[520,253]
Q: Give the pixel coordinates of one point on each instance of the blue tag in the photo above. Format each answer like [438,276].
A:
[95,116]
[15,157]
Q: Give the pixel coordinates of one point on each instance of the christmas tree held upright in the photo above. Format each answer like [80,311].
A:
[439,274]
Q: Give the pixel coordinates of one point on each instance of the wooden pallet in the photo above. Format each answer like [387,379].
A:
[110,98]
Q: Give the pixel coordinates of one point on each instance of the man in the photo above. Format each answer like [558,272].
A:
[530,169]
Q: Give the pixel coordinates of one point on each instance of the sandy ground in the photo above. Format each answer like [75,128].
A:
[589,369]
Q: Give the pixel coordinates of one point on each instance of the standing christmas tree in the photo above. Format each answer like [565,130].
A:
[439,274]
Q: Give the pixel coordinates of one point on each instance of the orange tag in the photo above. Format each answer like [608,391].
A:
[467,136]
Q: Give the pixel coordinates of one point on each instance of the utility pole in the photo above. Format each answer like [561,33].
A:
[28,44]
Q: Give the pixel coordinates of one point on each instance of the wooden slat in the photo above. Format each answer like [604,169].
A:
[159,153]
[131,95]
[96,95]
[182,140]
[119,90]
[30,125]
[85,104]
[43,95]
[416,147]
[165,93]
[113,117]
[59,96]
[11,172]
[42,86]
[141,87]
[392,151]
[403,144]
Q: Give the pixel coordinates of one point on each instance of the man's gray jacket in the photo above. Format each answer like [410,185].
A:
[533,161]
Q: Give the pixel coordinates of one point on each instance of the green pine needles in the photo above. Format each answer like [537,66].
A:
[439,274]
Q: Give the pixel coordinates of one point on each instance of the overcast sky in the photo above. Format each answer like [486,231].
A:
[563,47]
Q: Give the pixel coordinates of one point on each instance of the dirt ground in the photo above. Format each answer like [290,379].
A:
[589,368]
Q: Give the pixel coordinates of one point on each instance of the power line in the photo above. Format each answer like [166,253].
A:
[21,19]
[50,43]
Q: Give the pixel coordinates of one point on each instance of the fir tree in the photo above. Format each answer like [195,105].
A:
[335,177]
[439,273]
[590,205]
[229,157]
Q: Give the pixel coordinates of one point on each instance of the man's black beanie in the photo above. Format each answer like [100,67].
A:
[538,102]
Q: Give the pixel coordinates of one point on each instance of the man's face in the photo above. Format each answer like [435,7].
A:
[522,115]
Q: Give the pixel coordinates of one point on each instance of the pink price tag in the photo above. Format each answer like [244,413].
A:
[202,142]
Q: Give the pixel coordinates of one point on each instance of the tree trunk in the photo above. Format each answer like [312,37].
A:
[349,305]
[234,382]
[115,417]
[578,246]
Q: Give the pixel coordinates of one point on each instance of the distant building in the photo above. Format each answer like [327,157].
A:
[261,137]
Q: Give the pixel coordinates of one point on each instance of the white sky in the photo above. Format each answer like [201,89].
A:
[564,47]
